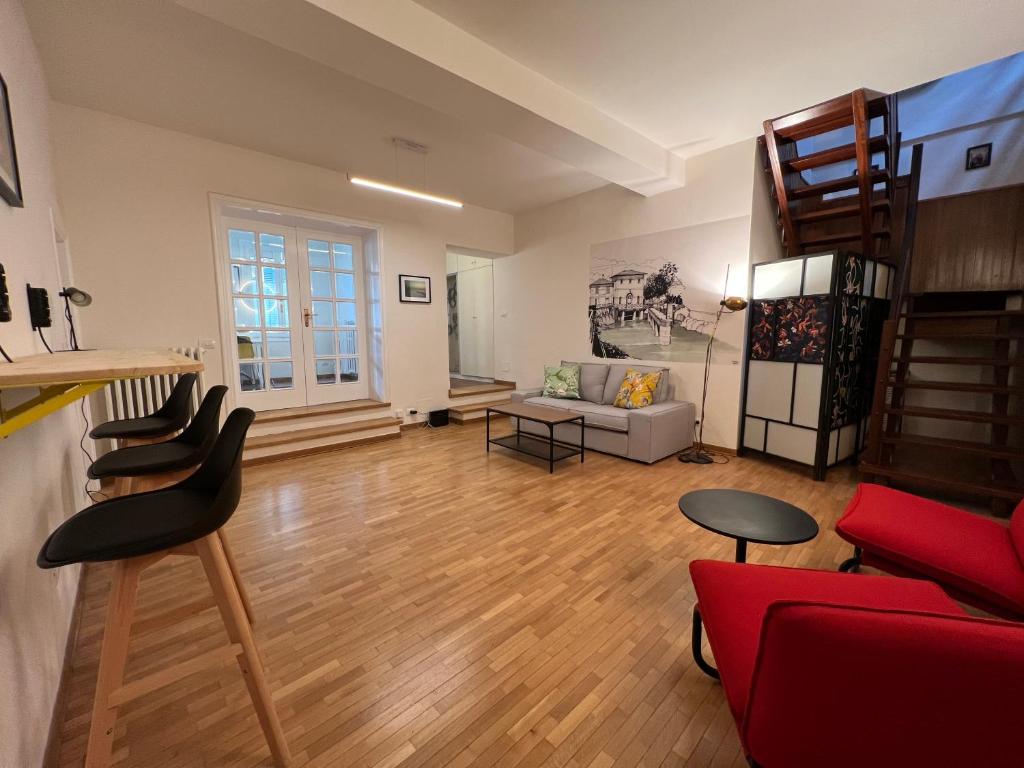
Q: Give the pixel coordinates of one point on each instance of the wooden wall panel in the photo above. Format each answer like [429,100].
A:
[970,242]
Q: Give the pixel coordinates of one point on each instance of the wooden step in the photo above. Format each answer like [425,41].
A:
[825,117]
[280,438]
[301,442]
[952,414]
[964,313]
[965,336]
[967,446]
[463,413]
[834,185]
[837,212]
[840,237]
[835,155]
[480,389]
[955,386]
[995,362]
[944,482]
[328,409]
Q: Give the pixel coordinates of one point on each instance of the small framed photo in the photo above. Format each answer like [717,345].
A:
[414,289]
[979,157]
[10,179]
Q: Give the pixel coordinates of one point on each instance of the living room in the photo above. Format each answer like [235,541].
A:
[705,302]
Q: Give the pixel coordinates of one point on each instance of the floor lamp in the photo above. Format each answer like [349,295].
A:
[696,454]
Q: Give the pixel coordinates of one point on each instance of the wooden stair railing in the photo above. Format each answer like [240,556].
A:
[807,219]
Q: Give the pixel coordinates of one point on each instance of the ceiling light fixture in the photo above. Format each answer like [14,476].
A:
[379,185]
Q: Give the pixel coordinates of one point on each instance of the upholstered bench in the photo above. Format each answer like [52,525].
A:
[976,559]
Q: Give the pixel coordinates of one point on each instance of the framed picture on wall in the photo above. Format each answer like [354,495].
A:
[979,157]
[414,289]
[10,180]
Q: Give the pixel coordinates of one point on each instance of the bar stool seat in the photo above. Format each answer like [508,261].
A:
[169,418]
[138,531]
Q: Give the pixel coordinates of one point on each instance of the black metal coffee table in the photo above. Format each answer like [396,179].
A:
[747,516]
[743,516]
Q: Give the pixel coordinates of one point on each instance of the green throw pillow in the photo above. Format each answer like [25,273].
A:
[562,381]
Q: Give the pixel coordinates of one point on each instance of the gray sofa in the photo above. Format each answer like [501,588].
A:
[645,434]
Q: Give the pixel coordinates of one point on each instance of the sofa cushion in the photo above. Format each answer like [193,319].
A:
[617,372]
[962,550]
[593,377]
[595,414]
[637,390]
[562,381]
[734,597]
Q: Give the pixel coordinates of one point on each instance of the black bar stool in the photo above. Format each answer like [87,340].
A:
[159,464]
[168,419]
[137,531]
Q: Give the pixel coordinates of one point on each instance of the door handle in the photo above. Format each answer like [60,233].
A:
[306,315]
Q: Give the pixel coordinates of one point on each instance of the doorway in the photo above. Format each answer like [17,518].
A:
[295,295]
[470,293]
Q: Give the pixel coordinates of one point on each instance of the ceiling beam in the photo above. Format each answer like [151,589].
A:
[404,48]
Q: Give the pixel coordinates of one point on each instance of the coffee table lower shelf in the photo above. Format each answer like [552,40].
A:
[536,446]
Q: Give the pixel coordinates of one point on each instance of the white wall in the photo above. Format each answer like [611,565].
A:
[41,469]
[541,291]
[136,206]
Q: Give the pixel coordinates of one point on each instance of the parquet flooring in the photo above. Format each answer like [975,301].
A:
[422,603]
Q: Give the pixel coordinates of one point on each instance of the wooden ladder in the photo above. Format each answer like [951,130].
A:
[810,220]
[990,468]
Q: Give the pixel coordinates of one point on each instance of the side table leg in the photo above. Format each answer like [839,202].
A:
[583,428]
[695,640]
[741,550]
[487,415]
[551,449]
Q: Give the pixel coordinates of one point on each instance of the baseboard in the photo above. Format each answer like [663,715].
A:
[720,449]
[51,755]
[506,383]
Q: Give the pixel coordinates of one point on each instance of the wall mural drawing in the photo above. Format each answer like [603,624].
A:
[654,297]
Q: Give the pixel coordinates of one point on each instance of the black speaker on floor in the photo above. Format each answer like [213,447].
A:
[438,418]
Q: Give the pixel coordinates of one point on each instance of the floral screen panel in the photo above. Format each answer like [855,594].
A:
[847,381]
[802,328]
[762,330]
[853,275]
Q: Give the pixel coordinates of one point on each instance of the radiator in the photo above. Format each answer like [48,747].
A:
[132,398]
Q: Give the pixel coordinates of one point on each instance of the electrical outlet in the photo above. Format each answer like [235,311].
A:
[38,307]
[5,298]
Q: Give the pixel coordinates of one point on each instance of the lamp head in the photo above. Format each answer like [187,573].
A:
[734,303]
[77,296]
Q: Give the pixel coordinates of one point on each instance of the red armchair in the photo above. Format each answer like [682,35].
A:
[977,560]
[821,669]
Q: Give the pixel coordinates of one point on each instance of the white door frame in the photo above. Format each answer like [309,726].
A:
[218,202]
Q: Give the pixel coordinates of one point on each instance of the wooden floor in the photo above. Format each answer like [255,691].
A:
[423,603]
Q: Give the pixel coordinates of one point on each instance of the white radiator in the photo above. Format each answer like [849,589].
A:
[132,398]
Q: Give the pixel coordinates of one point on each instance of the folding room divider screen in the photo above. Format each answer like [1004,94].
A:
[812,350]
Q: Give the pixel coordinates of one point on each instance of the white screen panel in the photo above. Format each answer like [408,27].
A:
[869,277]
[794,443]
[778,279]
[882,283]
[807,400]
[753,433]
[818,274]
[833,443]
[847,441]
[769,389]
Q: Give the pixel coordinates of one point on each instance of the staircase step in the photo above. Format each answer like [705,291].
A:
[995,362]
[827,116]
[328,409]
[837,212]
[840,237]
[955,386]
[945,482]
[834,185]
[835,155]
[967,336]
[952,414]
[964,313]
[298,442]
[474,411]
[480,389]
[968,446]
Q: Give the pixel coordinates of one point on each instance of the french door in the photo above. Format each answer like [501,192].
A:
[297,314]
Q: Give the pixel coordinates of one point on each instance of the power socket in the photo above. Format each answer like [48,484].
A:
[38,307]
[5,298]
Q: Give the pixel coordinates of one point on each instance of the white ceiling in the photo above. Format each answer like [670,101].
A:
[522,103]
[156,62]
[697,74]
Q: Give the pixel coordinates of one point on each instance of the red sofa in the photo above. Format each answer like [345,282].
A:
[977,560]
[825,669]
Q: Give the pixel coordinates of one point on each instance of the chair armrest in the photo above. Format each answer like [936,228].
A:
[660,430]
[843,686]
[521,394]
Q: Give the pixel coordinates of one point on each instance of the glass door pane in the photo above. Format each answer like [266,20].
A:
[332,280]
[262,269]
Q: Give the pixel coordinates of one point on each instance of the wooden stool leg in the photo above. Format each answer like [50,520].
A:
[230,556]
[225,591]
[113,657]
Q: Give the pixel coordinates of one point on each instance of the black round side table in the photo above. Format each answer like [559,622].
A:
[747,516]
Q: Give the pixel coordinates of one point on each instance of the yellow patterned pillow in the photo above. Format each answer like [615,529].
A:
[637,389]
